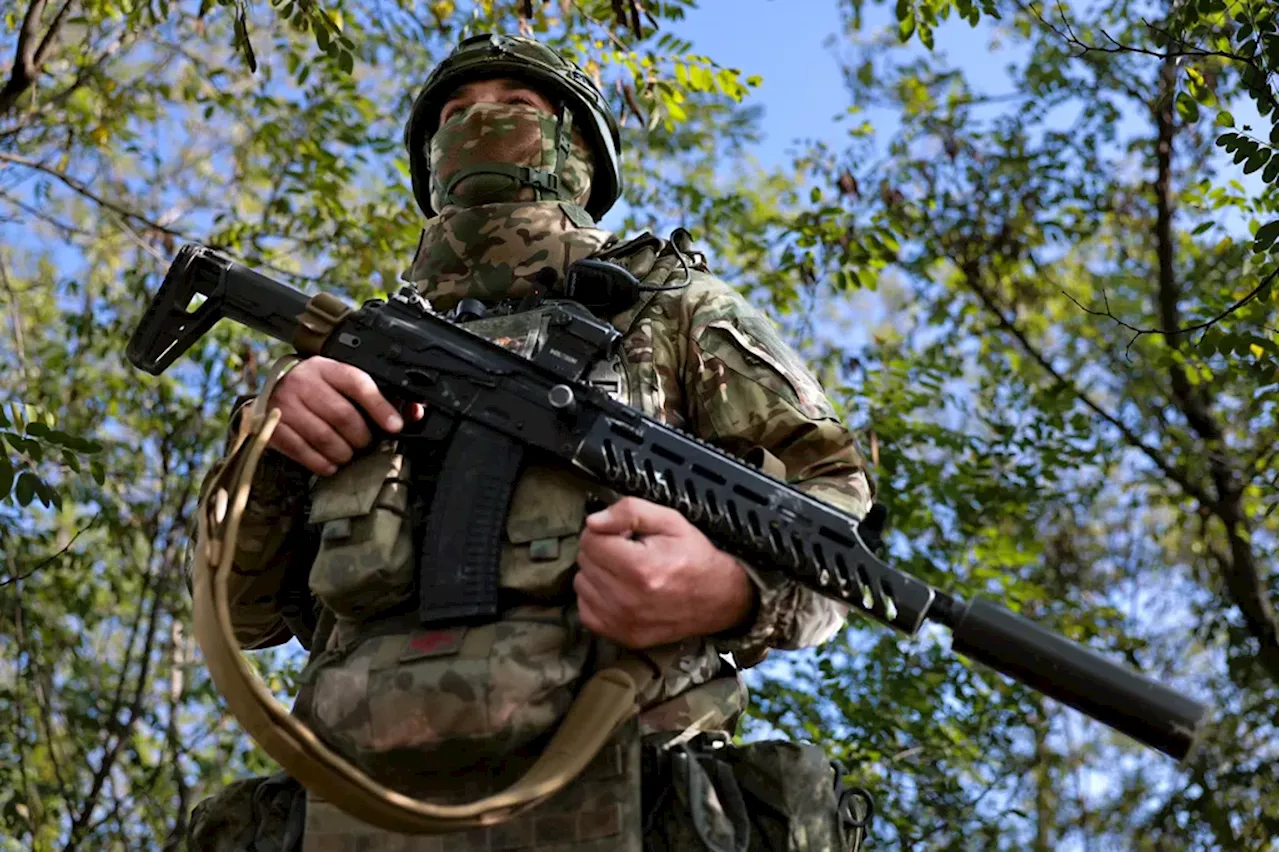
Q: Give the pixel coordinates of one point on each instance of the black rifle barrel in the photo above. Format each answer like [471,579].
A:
[1130,702]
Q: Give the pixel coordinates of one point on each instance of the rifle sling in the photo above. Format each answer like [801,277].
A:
[607,700]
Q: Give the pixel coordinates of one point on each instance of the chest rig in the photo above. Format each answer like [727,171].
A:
[472,470]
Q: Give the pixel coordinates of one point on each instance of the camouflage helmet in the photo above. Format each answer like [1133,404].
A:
[491,55]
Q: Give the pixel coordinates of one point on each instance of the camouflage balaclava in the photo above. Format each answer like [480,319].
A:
[494,231]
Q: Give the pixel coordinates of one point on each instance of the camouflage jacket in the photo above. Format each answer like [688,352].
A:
[699,358]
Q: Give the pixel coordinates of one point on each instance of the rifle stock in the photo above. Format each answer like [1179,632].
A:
[414,353]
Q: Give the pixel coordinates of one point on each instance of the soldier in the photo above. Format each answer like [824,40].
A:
[514,157]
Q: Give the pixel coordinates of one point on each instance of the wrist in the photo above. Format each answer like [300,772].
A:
[742,600]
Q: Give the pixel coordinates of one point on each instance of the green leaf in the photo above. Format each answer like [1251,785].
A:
[241,36]
[1244,150]
[6,476]
[1202,93]
[346,62]
[1266,236]
[26,488]
[1259,159]
[1224,119]
[1272,170]
[1188,108]
[98,473]
[906,27]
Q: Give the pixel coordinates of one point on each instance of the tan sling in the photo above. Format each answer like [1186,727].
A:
[607,700]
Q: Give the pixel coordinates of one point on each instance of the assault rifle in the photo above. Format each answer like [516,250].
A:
[541,401]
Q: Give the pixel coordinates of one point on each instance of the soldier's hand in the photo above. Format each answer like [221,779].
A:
[320,427]
[648,577]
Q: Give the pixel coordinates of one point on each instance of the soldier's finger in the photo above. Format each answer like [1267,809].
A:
[611,553]
[615,584]
[591,607]
[336,410]
[290,444]
[633,515]
[360,386]
[320,436]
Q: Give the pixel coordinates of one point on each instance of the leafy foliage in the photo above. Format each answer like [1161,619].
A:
[274,133]
[1049,310]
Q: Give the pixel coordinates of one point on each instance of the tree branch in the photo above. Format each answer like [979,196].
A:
[82,75]
[79,186]
[1245,584]
[971,279]
[1138,332]
[1068,34]
[50,558]
[30,56]
[123,730]
[41,691]
[67,229]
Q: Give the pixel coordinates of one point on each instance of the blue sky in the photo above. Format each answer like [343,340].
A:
[785,42]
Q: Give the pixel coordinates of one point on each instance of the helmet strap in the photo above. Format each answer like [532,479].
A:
[546,185]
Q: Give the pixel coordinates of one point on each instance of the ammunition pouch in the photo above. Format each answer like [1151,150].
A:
[262,814]
[364,564]
[403,701]
[771,796]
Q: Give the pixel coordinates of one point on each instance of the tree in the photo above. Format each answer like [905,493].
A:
[1074,403]
[1068,389]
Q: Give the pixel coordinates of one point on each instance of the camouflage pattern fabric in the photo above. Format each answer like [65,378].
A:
[703,360]
[492,252]
[699,358]
[599,811]
[268,544]
[364,565]
[768,796]
[515,134]
[254,815]
[452,714]
[421,701]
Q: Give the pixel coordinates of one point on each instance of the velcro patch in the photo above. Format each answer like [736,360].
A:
[432,643]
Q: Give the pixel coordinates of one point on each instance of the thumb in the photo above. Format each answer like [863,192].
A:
[633,515]
[618,519]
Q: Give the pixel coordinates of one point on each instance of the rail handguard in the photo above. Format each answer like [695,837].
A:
[416,354]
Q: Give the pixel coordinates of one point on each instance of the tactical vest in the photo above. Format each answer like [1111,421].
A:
[395,696]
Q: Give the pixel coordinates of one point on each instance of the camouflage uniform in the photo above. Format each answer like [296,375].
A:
[472,703]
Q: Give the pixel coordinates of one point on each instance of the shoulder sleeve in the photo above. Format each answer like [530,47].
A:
[746,389]
[269,541]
